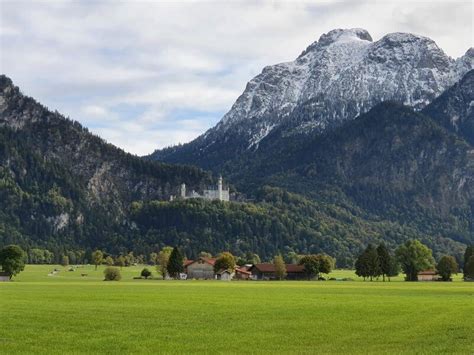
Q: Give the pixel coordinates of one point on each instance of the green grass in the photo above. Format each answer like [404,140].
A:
[71,314]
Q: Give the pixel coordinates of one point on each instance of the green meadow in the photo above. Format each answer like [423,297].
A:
[67,313]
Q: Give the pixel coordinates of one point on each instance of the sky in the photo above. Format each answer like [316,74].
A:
[145,75]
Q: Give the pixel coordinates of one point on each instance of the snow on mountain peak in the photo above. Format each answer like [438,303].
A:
[337,78]
[344,35]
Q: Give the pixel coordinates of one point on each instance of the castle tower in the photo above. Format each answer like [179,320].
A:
[183,191]
[219,188]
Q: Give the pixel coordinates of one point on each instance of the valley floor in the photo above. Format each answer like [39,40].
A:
[68,313]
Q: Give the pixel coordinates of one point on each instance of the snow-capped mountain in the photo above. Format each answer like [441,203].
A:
[335,79]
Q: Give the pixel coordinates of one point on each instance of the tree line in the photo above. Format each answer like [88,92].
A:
[412,257]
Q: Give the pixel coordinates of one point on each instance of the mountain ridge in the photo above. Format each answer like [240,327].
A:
[335,79]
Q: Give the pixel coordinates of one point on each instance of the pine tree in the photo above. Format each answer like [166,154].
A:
[469,252]
[386,261]
[368,264]
[361,266]
[373,263]
[469,269]
[175,264]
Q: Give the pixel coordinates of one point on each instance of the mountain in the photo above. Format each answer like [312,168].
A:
[334,80]
[61,185]
[390,164]
[66,190]
[454,109]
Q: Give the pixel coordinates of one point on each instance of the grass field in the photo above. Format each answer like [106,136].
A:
[68,313]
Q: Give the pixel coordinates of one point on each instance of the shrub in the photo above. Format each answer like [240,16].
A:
[145,273]
[112,274]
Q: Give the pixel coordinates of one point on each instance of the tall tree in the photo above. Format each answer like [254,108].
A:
[326,263]
[373,262]
[394,269]
[447,266]
[12,260]
[65,260]
[120,261]
[280,267]
[163,258]
[469,269]
[175,264]
[361,266]
[386,261]
[154,258]
[225,261]
[467,254]
[368,263]
[97,258]
[311,266]
[414,257]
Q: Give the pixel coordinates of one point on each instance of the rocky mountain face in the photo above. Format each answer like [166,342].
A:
[337,78]
[454,109]
[412,165]
[57,179]
[392,163]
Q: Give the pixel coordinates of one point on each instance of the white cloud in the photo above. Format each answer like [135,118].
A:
[147,74]
[95,111]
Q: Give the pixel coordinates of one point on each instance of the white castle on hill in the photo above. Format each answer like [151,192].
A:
[213,193]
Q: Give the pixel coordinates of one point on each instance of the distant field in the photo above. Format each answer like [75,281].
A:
[68,313]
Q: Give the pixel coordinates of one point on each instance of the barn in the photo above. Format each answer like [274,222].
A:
[4,276]
[428,275]
[202,268]
[225,275]
[266,271]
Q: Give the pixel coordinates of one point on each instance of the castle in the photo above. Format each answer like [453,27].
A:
[218,192]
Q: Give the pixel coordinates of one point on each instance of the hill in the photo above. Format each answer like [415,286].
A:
[62,186]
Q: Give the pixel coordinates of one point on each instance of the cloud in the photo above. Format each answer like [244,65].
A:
[149,74]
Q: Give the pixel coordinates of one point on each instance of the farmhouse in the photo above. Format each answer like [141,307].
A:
[225,275]
[427,275]
[202,268]
[267,271]
[4,276]
[242,273]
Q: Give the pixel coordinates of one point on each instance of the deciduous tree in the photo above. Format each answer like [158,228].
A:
[225,261]
[447,266]
[145,273]
[109,261]
[65,260]
[120,261]
[163,258]
[311,266]
[97,258]
[280,267]
[12,260]
[414,257]
[112,274]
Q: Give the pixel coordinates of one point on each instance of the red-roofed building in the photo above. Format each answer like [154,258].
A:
[266,271]
[242,273]
[202,268]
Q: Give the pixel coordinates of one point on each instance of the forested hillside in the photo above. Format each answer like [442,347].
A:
[61,186]
[391,174]
[281,222]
